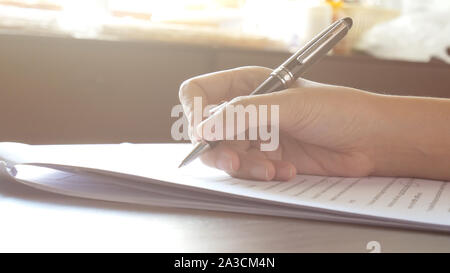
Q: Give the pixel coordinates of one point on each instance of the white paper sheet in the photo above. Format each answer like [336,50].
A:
[409,202]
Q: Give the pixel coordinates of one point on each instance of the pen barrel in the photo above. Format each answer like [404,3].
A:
[286,74]
[305,61]
[316,49]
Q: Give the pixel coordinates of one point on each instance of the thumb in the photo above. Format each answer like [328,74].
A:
[249,117]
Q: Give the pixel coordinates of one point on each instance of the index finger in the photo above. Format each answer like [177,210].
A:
[216,87]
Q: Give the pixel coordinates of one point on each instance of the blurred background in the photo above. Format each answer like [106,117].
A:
[95,71]
[267,24]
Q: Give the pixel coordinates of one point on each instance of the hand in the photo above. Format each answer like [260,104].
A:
[324,129]
[321,127]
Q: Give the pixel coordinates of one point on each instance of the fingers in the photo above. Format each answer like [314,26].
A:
[280,111]
[248,164]
[216,87]
[238,158]
[285,170]
[224,85]
[254,167]
[189,92]
[222,157]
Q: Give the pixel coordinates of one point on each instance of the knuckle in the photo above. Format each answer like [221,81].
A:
[185,88]
[262,70]
[256,69]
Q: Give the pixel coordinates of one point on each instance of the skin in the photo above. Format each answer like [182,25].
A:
[325,130]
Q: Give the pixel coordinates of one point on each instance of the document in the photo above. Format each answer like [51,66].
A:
[148,174]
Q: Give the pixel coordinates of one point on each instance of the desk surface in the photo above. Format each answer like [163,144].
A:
[33,220]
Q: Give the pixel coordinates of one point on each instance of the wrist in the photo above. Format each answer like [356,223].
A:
[411,137]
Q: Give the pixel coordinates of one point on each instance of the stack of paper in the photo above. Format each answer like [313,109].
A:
[148,174]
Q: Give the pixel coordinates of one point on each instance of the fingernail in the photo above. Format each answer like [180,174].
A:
[287,172]
[293,172]
[225,163]
[260,172]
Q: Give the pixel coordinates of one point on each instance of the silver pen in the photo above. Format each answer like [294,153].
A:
[288,72]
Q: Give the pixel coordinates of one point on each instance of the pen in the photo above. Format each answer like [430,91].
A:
[288,72]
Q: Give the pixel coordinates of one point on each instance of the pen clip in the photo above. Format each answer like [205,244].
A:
[320,42]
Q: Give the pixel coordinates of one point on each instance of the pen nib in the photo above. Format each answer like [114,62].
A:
[182,164]
[199,148]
